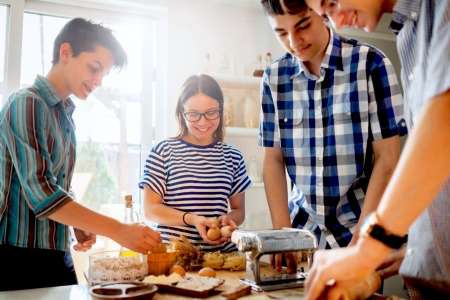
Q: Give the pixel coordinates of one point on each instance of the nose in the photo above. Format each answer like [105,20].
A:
[294,41]
[202,119]
[98,80]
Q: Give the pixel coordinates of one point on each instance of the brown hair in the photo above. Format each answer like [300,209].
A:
[84,36]
[192,86]
[283,7]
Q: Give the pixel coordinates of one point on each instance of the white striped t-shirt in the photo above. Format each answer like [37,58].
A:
[197,179]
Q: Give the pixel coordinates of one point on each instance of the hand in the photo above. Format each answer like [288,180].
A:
[291,258]
[226,220]
[352,289]
[351,264]
[203,224]
[85,240]
[137,237]
[391,264]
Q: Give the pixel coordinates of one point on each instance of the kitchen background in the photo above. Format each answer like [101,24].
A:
[166,41]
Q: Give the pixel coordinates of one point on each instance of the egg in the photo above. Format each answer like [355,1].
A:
[226,231]
[207,272]
[213,234]
[178,269]
[216,223]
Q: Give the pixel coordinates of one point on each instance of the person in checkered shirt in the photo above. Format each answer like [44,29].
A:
[332,118]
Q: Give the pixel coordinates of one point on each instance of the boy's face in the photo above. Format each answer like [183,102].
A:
[350,13]
[303,35]
[85,72]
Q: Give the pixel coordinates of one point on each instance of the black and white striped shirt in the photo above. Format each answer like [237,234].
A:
[197,179]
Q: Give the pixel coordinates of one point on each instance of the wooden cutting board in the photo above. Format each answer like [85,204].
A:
[232,280]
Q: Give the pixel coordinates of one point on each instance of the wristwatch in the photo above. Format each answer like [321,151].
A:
[372,228]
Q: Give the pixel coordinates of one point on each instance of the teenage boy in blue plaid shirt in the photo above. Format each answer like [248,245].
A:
[331,117]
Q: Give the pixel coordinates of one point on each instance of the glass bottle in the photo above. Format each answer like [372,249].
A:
[130,218]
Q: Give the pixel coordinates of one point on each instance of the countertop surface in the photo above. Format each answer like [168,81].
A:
[80,292]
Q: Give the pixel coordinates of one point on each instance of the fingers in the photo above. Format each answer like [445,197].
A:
[291,263]
[315,283]
[279,262]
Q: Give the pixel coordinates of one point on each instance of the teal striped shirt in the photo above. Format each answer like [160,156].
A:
[37,157]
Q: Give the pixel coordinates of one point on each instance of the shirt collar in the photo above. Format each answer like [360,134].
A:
[331,60]
[403,10]
[49,95]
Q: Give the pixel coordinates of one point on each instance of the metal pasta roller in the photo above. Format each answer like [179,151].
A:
[257,243]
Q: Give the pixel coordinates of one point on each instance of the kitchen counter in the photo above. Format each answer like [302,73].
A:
[80,292]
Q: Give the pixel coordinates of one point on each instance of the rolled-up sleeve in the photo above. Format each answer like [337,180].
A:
[24,132]
[385,98]
[268,127]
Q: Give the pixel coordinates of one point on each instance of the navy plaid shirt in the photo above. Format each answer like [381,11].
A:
[325,126]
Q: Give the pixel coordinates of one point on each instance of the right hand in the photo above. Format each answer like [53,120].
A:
[137,237]
[203,224]
[276,260]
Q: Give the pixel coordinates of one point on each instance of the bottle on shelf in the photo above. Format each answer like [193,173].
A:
[129,218]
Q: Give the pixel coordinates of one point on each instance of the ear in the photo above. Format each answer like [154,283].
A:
[65,52]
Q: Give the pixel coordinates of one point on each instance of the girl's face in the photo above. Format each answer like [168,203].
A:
[202,116]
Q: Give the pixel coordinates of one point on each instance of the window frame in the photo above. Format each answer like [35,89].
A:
[154,75]
[110,11]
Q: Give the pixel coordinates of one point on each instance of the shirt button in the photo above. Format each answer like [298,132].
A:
[414,15]
[285,120]
[411,76]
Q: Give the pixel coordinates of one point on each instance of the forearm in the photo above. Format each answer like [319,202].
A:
[275,184]
[422,170]
[237,215]
[384,166]
[76,215]
[162,214]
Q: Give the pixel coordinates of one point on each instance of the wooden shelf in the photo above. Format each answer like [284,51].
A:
[241,131]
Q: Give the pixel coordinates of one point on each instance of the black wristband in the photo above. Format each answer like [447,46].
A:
[184,219]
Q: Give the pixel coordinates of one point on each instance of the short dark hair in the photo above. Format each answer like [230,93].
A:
[283,7]
[192,86]
[84,36]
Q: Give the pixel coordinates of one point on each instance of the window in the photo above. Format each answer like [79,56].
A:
[3,23]
[109,126]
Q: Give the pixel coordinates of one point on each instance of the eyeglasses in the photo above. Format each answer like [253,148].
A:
[193,116]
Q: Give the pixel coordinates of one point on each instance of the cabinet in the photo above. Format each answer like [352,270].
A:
[241,116]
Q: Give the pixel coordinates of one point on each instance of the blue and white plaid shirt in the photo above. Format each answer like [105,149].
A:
[325,126]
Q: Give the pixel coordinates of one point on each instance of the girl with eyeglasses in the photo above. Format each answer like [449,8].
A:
[194,179]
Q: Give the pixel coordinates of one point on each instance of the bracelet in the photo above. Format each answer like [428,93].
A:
[184,218]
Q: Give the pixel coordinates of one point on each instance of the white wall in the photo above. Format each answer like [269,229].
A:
[196,27]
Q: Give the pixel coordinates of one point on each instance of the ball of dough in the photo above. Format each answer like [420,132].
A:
[207,272]
[178,269]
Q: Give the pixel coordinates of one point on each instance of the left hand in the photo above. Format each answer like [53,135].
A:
[351,264]
[391,264]
[225,220]
[85,240]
